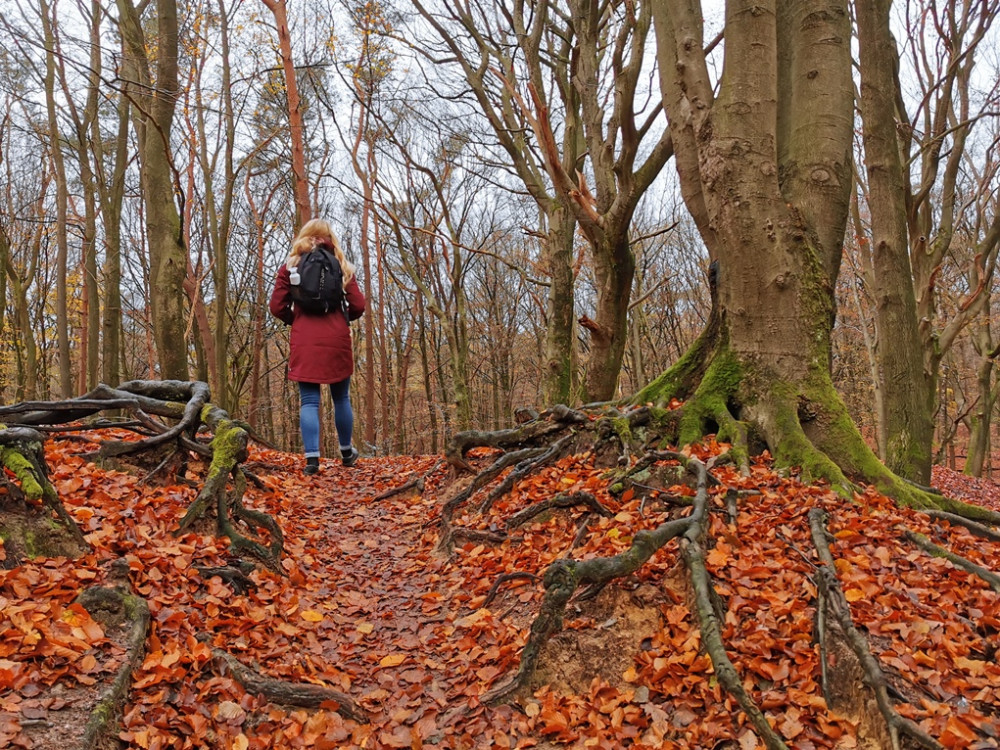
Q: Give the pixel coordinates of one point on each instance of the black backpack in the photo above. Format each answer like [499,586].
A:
[321,283]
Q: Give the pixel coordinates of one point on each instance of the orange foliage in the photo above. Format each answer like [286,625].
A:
[368,608]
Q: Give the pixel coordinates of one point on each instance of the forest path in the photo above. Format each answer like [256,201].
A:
[396,615]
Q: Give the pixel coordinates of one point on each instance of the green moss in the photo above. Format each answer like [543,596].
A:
[793,448]
[710,402]
[659,416]
[672,382]
[228,447]
[31,546]
[621,428]
[24,470]
[132,605]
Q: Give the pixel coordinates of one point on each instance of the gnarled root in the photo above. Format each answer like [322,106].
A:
[107,604]
[553,421]
[21,452]
[187,405]
[958,561]
[304,695]
[839,634]
[565,576]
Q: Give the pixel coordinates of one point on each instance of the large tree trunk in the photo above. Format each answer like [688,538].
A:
[771,189]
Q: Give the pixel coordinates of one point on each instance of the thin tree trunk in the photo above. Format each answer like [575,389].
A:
[167,252]
[112,194]
[986,394]
[402,390]
[221,222]
[907,388]
[259,307]
[62,205]
[425,365]
[383,333]
[90,317]
[303,209]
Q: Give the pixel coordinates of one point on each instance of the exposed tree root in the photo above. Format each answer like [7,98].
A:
[980,530]
[505,461]
[565,576]
[235,575]
[109,604]
[562,500]
[187,408]
[958,561]
[476,536]
[555,420]
[21,452]
[560,432]
[525,468]
[708,618]
[833,606]
[416,482]
[303,695]
[505,578]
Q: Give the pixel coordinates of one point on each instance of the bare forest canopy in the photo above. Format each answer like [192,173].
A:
[465,184]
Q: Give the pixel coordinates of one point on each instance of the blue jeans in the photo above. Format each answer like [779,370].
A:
[343,415]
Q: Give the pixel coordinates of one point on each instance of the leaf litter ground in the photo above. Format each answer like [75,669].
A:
[368,607]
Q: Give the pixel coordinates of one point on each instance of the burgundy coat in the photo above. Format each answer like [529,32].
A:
[320,345]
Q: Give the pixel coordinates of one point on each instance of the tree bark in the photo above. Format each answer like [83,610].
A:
[90,319]
[300,181]
[775,228]
[981,422]
[560,342]
[155,113]
[908,390]
[112,194]
[62,205]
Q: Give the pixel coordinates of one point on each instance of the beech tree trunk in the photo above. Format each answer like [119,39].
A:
[154,121]
[766,167]
[908,390]
[614,269]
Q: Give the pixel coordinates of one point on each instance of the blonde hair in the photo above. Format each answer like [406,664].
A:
[318,232]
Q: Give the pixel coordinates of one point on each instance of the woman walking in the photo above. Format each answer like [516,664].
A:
[320,350]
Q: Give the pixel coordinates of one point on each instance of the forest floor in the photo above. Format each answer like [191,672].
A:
[368,606]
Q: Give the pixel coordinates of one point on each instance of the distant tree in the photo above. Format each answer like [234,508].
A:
[300,180]
[55,153]
[481,42]
[577,92]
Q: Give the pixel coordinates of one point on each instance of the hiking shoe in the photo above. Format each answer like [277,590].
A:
[312,466]
[349,456]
